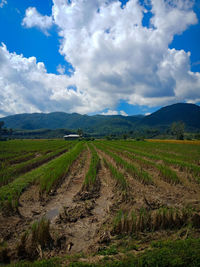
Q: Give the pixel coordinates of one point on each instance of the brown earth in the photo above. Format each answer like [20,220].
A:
[77,232]
[79,223]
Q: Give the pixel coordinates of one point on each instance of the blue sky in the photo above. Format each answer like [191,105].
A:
[93,56]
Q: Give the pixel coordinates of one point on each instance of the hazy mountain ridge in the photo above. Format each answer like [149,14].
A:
[187,113]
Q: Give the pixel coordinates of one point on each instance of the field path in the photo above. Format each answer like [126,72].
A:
[30,204]
[31,208]
[84,233]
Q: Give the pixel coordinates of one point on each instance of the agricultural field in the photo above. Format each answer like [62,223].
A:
[99,203]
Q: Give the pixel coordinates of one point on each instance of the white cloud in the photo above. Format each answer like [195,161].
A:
[3,3]
[123,113]
[60,69]
[27,87]
[34,19]
[110,112]
[114,57]
[120,58]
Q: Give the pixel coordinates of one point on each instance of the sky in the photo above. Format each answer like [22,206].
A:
[98,56]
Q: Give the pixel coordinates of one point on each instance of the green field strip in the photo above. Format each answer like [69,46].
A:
[91,175]
[12,172]
[187,153]
[14,148]
[46,175]
[117,175]
[138,174]
[189,167]
[145,220]
[166,173]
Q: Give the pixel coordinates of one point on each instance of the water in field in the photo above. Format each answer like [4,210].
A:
[51,214]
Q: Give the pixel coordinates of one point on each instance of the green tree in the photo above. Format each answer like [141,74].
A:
[125,136]
[1,124]
[80,132]
[177,129]
[1,127]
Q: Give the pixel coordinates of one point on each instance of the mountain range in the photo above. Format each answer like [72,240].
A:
[163,118]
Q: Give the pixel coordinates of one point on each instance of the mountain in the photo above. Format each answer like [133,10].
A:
[187,113]
[101,124]
[91,124]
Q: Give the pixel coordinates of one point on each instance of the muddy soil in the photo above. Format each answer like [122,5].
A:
[161,193]
[75,224]
[84,224]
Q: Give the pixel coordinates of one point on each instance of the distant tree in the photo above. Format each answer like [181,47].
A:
[10,131]
[177,129]
[80,132]
[197,136]
[108,137]
[1,128]
[1,124]
[125,136]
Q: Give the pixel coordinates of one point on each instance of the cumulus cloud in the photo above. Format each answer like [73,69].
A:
[3,3]
[114,112]
[60,69]
[34,19]
[121,58]
[110,112]
[123,113]
[113,54]
[27,87]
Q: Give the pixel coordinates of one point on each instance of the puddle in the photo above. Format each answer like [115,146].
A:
[52,214]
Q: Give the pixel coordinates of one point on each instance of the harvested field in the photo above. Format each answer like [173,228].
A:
[99,202]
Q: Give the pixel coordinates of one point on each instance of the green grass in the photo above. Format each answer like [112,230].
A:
[10,173]
[53,262]
[168,174]
[117,175]
[178,253]
[138,174]
[91,175]
[47,175]
[133,222]
[58,168]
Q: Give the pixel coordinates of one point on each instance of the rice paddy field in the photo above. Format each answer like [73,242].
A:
[99,203]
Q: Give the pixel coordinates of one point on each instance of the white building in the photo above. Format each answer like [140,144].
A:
[71,136]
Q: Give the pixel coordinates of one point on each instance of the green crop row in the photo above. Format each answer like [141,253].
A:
[10,173]
[131,222]
[117,175]
[14,148]
[189,167]
[166,173]
[140,175]
[46,175]
[91,175]
[184,152]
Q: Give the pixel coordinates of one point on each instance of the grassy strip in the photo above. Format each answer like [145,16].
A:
[118,176]
[90,177]
[58,169]
[47,175]
[52,262]
[161,254]
[166,173]
[9,174]
[140,175]
[161,219]
[14,148]
[194,169]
